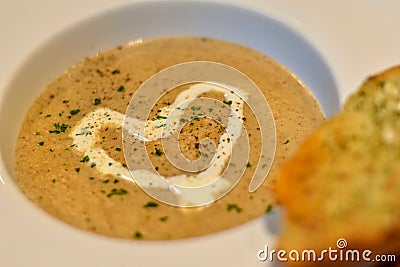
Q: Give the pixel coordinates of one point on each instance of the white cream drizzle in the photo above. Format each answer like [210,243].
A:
[86,133]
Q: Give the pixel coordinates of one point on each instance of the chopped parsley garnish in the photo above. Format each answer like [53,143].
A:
[116,181]
[77,169]
[121,88]
[54,181]
[93,165]
[59,128]
[37,133]
[228,102]
[97,101]
[159,117]
[150,204]
[106,181]
[41,143]
[74,111]
[183,120]
[158,152]
[48,115]
[85,158]
[194,108]
[91,178]
[248,165]
[118,149]
[160,126]
[231,207]
[115,191]
[210,109]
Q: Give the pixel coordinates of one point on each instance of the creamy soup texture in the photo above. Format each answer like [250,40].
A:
[69,154]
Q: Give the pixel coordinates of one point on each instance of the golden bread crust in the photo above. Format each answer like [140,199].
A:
[344,181]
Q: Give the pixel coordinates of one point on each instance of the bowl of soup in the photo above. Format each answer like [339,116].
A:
[73,167]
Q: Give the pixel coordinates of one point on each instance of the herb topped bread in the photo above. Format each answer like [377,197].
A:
[344,181]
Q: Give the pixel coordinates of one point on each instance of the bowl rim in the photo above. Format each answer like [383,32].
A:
[4,170]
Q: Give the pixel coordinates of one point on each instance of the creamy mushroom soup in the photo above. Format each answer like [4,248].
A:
[70,157]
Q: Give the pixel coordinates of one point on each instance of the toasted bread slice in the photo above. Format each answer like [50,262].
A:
[344,181]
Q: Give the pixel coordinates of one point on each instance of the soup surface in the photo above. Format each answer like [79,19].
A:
[56,171]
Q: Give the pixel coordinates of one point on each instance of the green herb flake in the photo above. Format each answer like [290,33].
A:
[248,165]
[115,191]
[74,111]
[106,181]
[210,109]
[138,235]
[97,101]
[118,149]
[53,181]
[228,102]
[48,116]
[93,165]
[231,207]
[160,126]
[37,133]
[85,158]
[116,181]
[91,178]
[269,208]
[121,88]
[159,117]
[150,204]
[77,169]
[158,152]
[194,108]
[183,120]
[110,164]
[59,128]
[41,143]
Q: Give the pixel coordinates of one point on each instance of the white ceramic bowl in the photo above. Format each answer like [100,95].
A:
[63,245]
